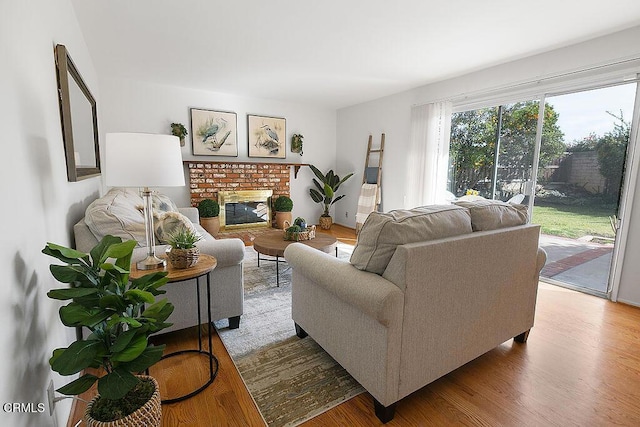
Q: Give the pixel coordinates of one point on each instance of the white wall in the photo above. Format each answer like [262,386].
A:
[392,116]
[39,205]
[133,106]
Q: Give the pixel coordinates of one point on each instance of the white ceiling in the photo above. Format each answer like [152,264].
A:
[333,53]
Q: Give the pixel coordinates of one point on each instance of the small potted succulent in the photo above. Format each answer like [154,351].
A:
[300,222]
[120,314]
[283,206]
[183,252]
[209,211]
[178,129]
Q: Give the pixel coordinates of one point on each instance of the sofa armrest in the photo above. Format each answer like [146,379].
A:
[191,213]
[370,293]
[541,260]
[227,251]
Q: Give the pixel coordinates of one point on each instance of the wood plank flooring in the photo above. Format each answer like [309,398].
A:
[580,367]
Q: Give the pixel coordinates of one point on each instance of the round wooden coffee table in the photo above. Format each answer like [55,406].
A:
[273,244]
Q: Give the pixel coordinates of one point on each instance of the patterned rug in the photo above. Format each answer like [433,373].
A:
[290,379]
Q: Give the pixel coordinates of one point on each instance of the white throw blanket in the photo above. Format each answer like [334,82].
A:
[369,198]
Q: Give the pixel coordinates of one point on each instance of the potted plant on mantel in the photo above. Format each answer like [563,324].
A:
[209,211]
[283,206]
[112,308]
[325,193]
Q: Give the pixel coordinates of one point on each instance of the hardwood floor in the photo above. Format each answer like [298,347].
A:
[580,367]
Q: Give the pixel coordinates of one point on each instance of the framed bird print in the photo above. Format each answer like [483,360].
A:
[214,133]
[266,136]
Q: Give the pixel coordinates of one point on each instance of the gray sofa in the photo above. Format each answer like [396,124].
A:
[440,301]
[117,213]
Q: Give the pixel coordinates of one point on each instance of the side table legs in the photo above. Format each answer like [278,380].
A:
[209,352]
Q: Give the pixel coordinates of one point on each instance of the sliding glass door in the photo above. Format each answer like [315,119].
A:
[578,197]
[581,160]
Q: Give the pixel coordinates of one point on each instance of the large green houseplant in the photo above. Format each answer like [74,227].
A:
[120,314]
[325,192]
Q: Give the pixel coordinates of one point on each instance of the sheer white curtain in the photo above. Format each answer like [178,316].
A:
[428,154]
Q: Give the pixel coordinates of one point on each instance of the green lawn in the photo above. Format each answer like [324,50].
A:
[574,221]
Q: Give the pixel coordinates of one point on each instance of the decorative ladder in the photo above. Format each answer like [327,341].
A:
[376,170]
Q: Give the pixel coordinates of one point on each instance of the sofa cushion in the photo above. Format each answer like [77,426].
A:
[120,212]
[382,232]
[169,223]
[494,214]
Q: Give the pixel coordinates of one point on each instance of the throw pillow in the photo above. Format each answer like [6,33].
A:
[494,214]
[383,232]
[169,223]
[116,214]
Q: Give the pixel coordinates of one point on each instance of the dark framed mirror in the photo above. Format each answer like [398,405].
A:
[79,119]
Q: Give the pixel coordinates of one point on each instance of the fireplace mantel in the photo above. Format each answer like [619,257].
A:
[296,166]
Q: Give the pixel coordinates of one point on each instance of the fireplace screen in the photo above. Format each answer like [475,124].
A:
[245,208]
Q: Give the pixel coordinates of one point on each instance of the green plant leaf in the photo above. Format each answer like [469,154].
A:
[316,196]
[151,355]
[115,302]
[116,384]
[150,281]
[317,173]
[66,273]
[74,314]
[133,349]
[74,358]
[161,315]
[140,296]
[134,323]
[122,340]
[70,293]
[78,386]
[337,198]
[64,254]
[98,253]
[154,310]
[328,191]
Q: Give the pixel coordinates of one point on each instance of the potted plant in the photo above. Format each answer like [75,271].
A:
[283,206]
[183,252]
[296,143]
[300,222]
[209,209]
[326,187]
[120,315]
[178,129]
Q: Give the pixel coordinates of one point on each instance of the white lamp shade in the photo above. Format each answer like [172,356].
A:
[143,160]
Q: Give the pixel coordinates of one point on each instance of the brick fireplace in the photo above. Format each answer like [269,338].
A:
[206,179]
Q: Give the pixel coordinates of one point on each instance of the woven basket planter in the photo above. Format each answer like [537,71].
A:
[149,414]
[183,258]
[325,222]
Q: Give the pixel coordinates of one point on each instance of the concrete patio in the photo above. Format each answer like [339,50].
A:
[583,264]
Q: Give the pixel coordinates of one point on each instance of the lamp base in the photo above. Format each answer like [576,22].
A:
[151,262]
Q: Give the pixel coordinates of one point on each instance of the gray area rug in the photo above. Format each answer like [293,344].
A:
[290,379]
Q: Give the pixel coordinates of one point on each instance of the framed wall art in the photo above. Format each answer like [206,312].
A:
[214,133]
[267,136]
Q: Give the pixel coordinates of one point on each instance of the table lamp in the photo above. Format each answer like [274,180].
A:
[144,160]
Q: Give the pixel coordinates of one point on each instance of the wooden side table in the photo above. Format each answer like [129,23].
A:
[205,264]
